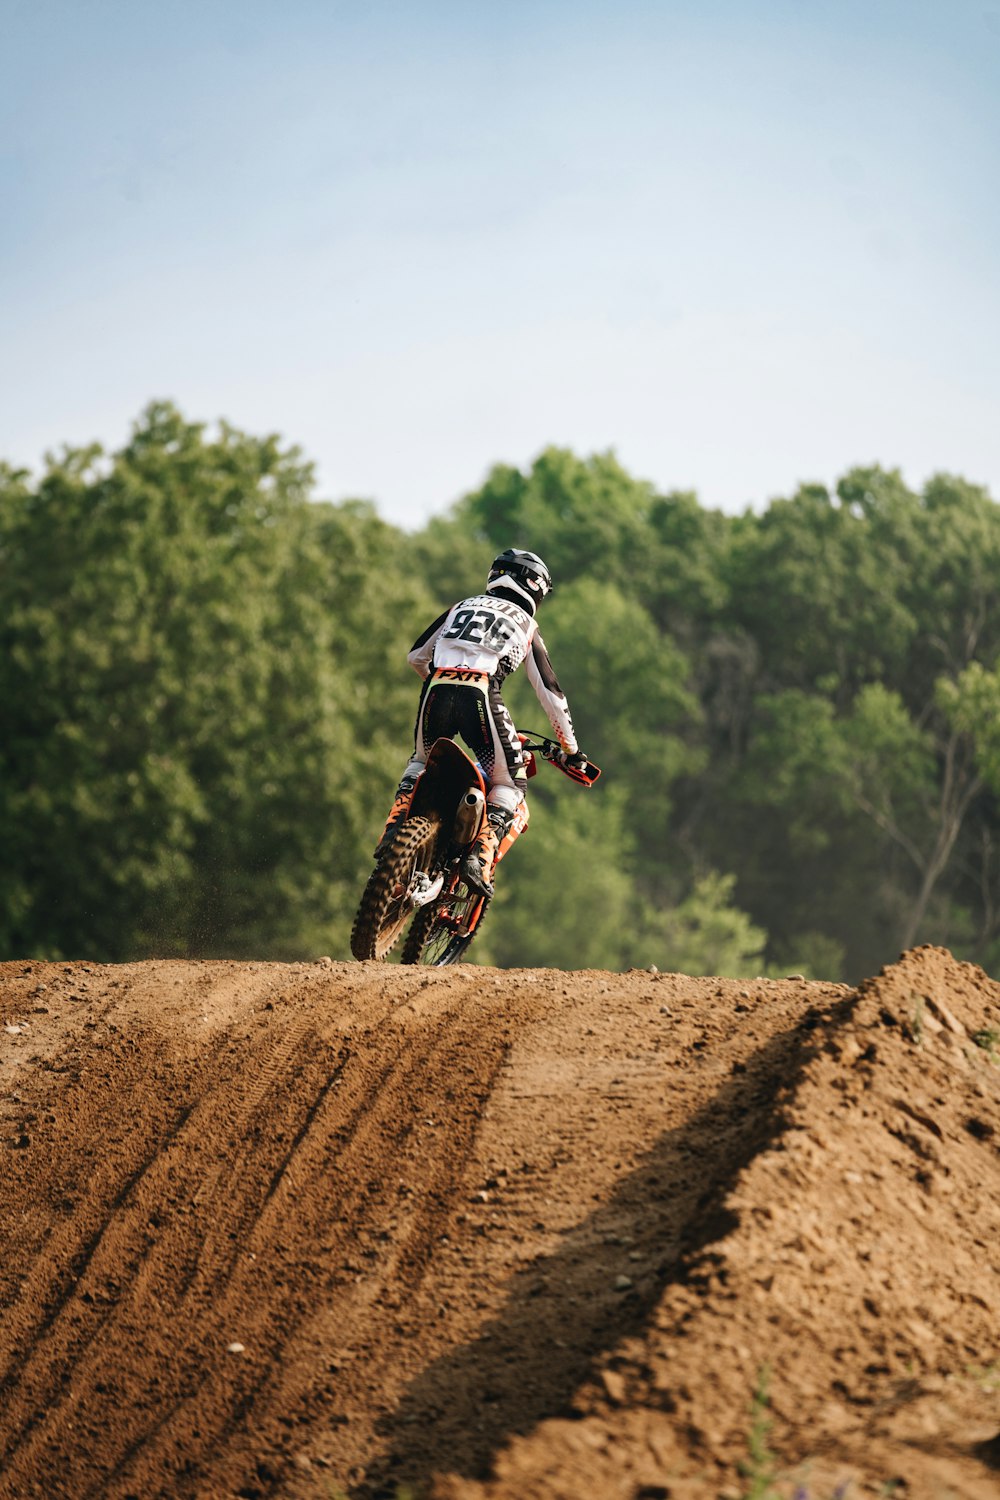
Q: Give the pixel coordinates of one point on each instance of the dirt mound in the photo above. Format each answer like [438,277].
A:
[324,1229]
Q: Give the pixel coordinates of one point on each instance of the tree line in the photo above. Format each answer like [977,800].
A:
[206,707]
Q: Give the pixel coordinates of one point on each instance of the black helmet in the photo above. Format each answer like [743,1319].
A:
[523,571]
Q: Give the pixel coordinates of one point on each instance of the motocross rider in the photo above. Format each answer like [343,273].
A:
[464,658]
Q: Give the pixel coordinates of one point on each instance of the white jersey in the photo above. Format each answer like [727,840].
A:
[493,636]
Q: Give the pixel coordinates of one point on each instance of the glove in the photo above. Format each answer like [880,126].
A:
[576,762]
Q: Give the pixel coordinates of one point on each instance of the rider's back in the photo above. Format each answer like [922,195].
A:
[484,634]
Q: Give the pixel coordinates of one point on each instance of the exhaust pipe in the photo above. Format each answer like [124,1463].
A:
[468,817]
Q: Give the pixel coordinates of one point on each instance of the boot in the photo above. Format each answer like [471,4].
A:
[397,814]
[480,862]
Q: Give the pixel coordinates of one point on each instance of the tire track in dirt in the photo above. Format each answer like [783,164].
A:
[412,1092]
[50,1295]
[86,1267]
[286,1114]
[89,1267]
[395,1220]
[357,1125]
[531,1232]
[671,1205]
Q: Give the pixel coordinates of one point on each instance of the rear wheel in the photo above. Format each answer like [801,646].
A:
[387,903]
[444,928]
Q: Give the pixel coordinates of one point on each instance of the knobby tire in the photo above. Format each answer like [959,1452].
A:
[384,910]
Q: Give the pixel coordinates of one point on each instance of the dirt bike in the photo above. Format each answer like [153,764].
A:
[420,874]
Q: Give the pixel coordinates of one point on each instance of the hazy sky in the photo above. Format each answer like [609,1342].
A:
[742,242]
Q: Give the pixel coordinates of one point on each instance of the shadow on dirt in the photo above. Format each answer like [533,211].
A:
[565,1311]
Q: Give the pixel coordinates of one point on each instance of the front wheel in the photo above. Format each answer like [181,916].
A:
[387,903]
[443,930]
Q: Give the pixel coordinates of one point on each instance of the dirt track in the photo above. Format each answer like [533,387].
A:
[323,1229]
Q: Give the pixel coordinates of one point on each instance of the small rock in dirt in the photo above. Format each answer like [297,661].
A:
[235,1348]
[850,1051]
[622,1283]
[945,1016]
[614,1383]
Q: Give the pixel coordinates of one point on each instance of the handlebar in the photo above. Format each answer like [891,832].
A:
[546,747]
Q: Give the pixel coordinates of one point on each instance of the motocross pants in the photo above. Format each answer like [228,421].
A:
[458,702]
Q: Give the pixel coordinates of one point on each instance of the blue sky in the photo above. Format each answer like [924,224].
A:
[743,244]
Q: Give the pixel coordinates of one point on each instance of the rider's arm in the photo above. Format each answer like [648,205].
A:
[550,695]
[421,653]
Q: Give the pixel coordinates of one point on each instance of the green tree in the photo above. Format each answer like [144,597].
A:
[564,891]
[705,934]
[586,517]
[817,582]
[179,765]
[207,705]
[627,685]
